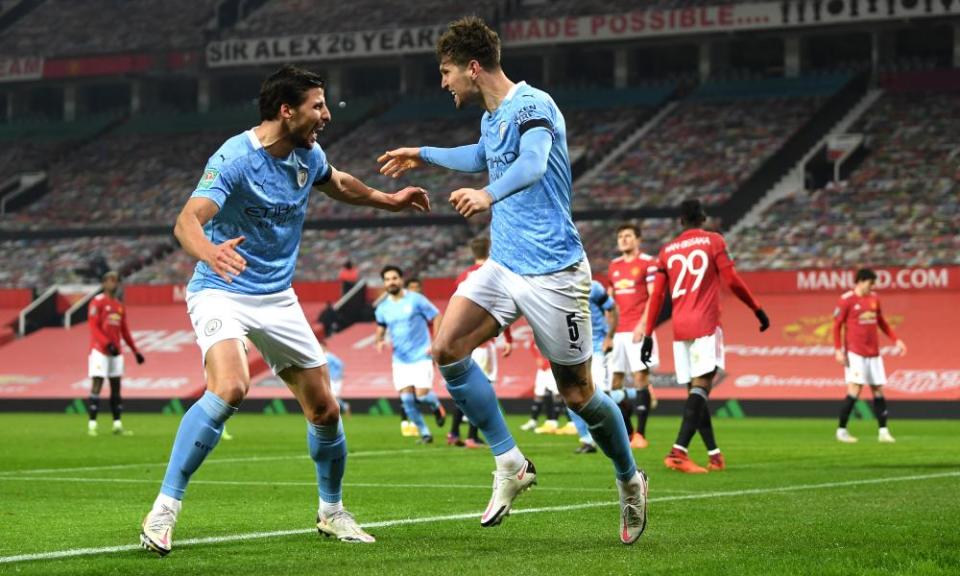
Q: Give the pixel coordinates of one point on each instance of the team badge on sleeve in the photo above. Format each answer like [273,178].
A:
[208,178]
[301,177]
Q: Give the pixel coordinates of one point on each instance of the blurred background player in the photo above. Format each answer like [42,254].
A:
[336,378]
[631,279]
[691,266]
[407,427]
[603,315]
[856,341]
[546,398]
[245,292]
[414,285]
[107,318]
[408,315]
[484,355]
[537,266]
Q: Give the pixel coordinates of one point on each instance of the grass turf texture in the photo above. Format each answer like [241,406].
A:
[793,501]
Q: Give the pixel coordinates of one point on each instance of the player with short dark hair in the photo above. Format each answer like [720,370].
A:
[107,318]
[855,339]
[692,267]
[631,280]
[408,316]
[537,266]
[244,223]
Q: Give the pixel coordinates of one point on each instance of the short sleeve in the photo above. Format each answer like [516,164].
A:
[324,169]
[379,317]
[533,112]
[217,181]
[427,308]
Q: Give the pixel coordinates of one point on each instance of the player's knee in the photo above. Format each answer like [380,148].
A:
[231,389]
[446,351]
[324,413]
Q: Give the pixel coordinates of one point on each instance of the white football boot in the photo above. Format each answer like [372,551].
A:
[845,437]
[506,488]
[156,533]
[885,437]
[342,526]
[633,507]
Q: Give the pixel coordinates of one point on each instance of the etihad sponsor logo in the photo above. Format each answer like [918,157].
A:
[904,279]
[793,351]
[698,241]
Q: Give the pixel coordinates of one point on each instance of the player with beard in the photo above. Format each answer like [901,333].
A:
[244,223]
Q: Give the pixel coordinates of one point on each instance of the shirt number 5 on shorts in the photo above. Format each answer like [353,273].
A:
[572,328]
[695,263]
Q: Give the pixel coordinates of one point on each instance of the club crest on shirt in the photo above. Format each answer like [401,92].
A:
[502,129]
[302,177]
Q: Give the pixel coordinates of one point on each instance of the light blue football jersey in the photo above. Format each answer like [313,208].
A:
[600,302]
[531,231]
[264,199]
[406,319]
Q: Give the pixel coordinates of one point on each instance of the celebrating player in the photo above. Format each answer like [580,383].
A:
[537,267]
[244,223]
[631,278]
[691,266]
[857,346]
[107,318]
[408,316]
[485,355]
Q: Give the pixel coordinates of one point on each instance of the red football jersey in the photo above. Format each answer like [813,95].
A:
[507,335]
[107,318]
[692,263]
[629,279]
[862,316]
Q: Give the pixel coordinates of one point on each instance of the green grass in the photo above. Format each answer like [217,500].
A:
[830,519]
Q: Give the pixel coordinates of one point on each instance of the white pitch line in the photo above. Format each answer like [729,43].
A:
[291,483]
[297,456]
[57,554]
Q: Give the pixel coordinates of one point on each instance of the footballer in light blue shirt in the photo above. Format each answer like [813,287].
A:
[243,224]
[536,269]
[407,315]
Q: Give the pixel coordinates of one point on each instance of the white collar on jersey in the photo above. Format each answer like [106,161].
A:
[513,90]
[254,141]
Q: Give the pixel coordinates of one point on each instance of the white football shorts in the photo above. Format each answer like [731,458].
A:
[625,356]
[274,323]
[545,382]
[600,370]
[555,305]
[695,358]
[99,365]
[865,370]
[416,374]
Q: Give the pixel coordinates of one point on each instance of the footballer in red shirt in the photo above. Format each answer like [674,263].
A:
[631,279]
[107,318]
[691,268]
[485,355]
[856,341]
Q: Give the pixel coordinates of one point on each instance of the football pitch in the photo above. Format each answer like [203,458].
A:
[793,501]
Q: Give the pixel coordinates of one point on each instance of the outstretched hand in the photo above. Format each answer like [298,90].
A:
[764,320]
[399,160]
[412,197]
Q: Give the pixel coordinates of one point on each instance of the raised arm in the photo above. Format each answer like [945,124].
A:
[347,188]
